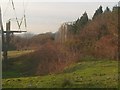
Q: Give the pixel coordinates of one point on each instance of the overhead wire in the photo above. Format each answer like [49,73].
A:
[24,14]
[15,14]
[19,22]
[24,17]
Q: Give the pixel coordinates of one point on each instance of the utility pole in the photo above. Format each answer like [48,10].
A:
[7,40]
[6,36]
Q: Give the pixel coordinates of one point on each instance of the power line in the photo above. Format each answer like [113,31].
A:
[24,14]
[15,14]
[19,22]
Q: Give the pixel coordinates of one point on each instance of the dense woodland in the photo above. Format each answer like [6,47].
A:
[96,37]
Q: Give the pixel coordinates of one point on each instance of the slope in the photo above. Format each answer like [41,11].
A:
[91,74]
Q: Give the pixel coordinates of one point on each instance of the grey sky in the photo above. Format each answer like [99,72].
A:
[48,16]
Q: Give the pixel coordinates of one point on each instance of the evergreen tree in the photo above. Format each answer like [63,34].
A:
[84,19]
[98,12]
[80,23]
[107,10]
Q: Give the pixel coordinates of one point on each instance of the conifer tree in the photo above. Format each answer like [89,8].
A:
[84,19]
[98,12]
[107,10]
[80,23]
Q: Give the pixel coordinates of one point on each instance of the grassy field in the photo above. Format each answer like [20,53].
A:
[87,73]
[18,53]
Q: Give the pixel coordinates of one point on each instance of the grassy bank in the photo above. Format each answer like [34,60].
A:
[91,74]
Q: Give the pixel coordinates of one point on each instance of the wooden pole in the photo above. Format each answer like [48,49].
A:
[7,41]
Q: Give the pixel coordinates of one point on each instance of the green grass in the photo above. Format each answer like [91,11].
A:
[15,65]
[90,74]
[14,54]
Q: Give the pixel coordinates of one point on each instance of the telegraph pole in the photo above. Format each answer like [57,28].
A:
[6,36]
[7,40]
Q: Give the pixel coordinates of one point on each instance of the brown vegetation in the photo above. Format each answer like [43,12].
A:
[49,58]
[98,38]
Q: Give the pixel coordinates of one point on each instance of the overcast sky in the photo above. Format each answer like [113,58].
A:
[48,16]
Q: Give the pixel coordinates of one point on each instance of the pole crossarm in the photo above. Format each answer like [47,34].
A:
[13,31]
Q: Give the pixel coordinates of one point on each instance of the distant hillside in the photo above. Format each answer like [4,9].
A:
[30,42]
